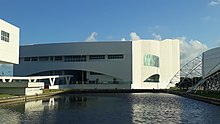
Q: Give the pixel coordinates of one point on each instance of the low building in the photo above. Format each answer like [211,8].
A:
[141,64]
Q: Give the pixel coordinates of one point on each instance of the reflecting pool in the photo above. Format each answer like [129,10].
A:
[115,108]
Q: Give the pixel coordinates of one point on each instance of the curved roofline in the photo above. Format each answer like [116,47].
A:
[113,41]
[75,42]
[212,49]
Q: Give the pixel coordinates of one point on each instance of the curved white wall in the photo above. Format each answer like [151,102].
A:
[141,72]
[170,61]
[169,64]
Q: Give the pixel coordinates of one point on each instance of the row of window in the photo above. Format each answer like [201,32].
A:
[73,58]
[113,56]
[119,56]
[76,58]
[5,36]
[93,57]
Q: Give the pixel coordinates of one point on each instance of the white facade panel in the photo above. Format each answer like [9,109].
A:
[166,52]
[170,61]
[140,71]
[9,43]
[136,70]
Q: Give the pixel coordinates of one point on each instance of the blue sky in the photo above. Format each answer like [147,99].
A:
[195,22]
[44,21]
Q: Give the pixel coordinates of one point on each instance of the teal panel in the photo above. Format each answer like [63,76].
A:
[151,60]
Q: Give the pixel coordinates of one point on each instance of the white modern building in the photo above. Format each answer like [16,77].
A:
[9,54]
[9,43]
[141,64]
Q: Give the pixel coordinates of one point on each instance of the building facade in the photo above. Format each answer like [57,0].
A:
[210,61]
[142,64]
[9,54]
[9,43]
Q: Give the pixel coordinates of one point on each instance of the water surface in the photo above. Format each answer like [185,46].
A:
[124,108]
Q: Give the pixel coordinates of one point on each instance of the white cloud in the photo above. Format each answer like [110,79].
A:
[190,49]
[156,36]
[214,2]
[123,39]
[134,36]
[92,37]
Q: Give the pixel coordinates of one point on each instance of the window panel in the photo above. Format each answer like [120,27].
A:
[34,58]
[75,58]
[44,58]
[151,60]
[116,56]
[5,36]
[93,57]
[27,59]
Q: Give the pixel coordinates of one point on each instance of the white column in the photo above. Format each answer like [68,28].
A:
[52,80]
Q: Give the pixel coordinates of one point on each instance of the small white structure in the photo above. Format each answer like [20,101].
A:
[22,88]
[36,78]
[29,85]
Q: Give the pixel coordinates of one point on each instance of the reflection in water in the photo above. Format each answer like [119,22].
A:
[111,108]
[9,117]
[167,108]
[151,109]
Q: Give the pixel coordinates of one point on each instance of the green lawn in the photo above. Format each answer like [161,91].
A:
[44,91]
[50,90]
[212,95]
[5,95]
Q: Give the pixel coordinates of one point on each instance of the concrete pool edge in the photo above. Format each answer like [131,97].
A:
[210,100]
[18,99]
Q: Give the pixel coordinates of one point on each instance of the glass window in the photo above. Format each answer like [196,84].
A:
[33,58]
[27,59]
[51,58]
[44,58]
[92,57]
[5,36]
[116,56]
[58,58]
[153,78]
[75,58]
[151,60]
